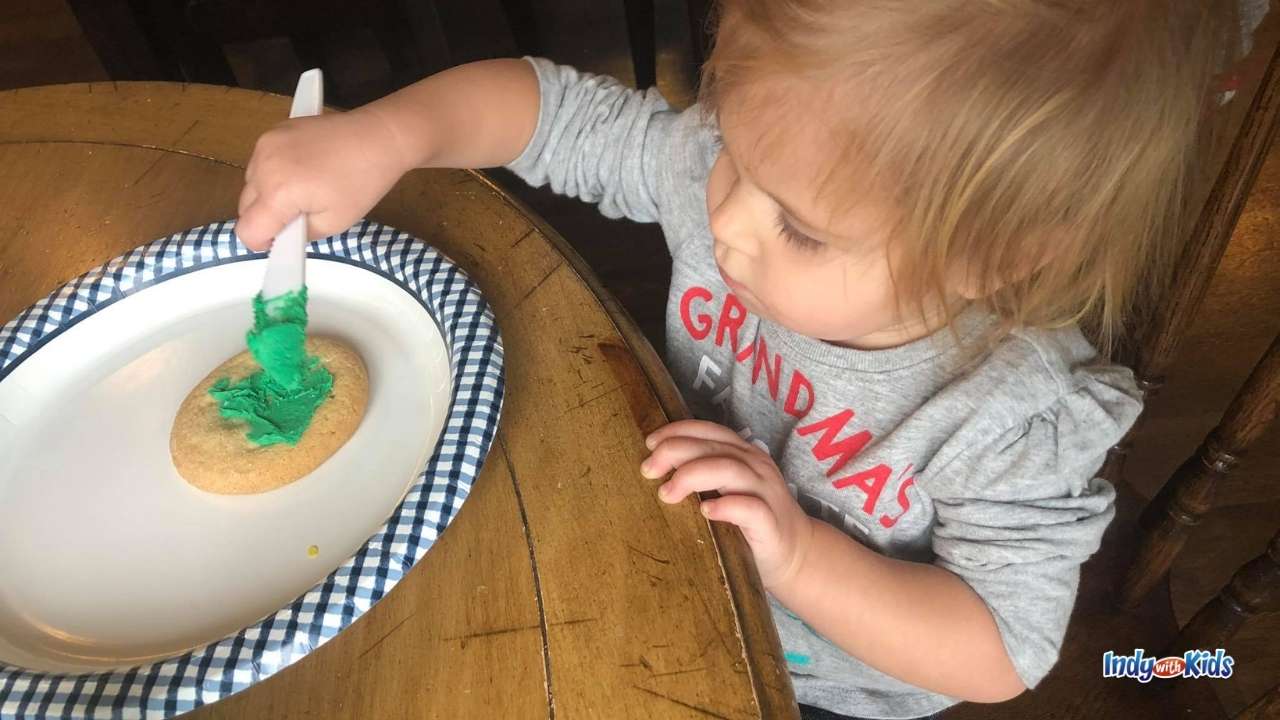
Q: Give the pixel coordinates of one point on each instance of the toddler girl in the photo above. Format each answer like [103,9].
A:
[886,218]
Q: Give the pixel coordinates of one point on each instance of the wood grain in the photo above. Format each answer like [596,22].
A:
[564,587]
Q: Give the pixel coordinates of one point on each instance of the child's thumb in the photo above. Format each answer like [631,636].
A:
[260,222]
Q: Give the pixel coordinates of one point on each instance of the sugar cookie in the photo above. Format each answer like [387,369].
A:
[214,454]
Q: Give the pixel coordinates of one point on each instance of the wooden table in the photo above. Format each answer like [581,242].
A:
[564,587]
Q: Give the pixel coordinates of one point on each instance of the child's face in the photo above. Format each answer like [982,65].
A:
[787,257]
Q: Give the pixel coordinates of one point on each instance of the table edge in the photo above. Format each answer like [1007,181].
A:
[746,592]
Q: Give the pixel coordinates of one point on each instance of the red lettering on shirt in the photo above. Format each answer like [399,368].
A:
[703,328]
[732,315]
[699,320]
[762,360]
[798,382]
[904,502]
[827,445]
[870,481]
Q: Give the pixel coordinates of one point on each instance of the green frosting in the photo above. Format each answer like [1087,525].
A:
[278,401]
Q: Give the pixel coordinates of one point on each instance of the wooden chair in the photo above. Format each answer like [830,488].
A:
[1188,494]
[1173,513]
[1170,518]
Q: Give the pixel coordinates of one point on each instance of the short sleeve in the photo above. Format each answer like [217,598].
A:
[1022,508]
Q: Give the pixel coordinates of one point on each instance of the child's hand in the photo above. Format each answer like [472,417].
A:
[706,456]
[333,167]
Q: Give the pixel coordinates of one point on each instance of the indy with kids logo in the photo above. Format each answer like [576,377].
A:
[1191,664]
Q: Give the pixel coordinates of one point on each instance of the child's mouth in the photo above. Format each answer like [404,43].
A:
[742,291]
[729,280]
[735,286]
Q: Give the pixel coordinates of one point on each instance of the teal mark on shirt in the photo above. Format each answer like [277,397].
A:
[797,659]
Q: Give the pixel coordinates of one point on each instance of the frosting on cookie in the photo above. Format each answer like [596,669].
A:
[277,402]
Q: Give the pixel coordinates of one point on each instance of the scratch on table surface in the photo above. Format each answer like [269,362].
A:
[186,132]
[685,671]
[545,278]
[146,172]
[523,237]
[388,634]
[706,648]
[151,200]
[681,703]
[583,352]
[579,621]
[651,556]
[520,628]
[491,633]
[592,399]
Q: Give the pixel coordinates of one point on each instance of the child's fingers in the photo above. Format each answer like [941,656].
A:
[678,451]
[716,473]
[262,221]
[323,224]
[751,514]
[694,428]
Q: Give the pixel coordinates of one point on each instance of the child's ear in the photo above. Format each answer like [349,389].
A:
[1040,250]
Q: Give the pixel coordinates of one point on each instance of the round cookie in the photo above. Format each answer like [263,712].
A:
[213,453]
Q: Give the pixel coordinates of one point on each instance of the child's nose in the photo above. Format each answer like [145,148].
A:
[731,224]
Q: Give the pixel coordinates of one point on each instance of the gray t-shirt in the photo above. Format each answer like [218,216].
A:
[986,469]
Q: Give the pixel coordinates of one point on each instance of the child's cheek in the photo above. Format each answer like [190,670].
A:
[822,304]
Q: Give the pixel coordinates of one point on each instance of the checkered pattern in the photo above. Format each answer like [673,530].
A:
[234,663]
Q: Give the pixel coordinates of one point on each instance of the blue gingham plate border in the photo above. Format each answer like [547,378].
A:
[234,663]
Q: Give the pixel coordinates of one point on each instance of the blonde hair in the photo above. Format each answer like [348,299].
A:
[1038,149]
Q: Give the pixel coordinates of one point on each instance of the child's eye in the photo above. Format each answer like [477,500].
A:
[797,238]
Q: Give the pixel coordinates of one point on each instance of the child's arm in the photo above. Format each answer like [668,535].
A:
[337,166]
[588,136]
[916,622]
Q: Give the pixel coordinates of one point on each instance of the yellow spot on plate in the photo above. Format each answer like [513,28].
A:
[313,551]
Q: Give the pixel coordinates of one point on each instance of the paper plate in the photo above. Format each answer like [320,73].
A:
[125,591]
